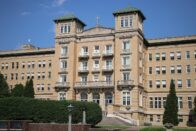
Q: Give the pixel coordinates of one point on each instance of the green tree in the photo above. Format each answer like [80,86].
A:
[4,88]
[29,90]
[194,110]
[18,91]
[171,108]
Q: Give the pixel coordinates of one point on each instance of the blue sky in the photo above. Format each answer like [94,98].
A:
[21,20]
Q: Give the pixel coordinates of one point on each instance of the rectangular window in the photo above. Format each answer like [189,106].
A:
[157,70]
[12,65]
[180,104]
[151,102]
[126,97]
[49,63]
[17,65]
[163,56]
[157,103]
[126,45]
[179,69]
[108,64]
[84,51]
[187,55]
[40,64]
[179,56]
[44,63]
[6,66]
[158,83]
[63,64]
[188,83]
[180,118]
[195,54]
[151,118]
[64,51]
[164,83]
[32,75]
[96,49]
[150,70]
[29,64]
[96,77]
[49,75]
[63,78]
[84,65]
[2,66]
[164,101]
[66,28]
[33,64]
[43,75]
[150,83]
[49,87]
[190,103]
[125,76]
[125,61]
[163,70]
[150,57]
[38,75]
[172,69]
[108,49]
[179,82]
[157,56]
[171,55]
[22,76]
[23,65]
[96,64]
[158,118]
[108,78]
[188,68]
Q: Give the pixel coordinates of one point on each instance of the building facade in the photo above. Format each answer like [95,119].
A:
[118,68]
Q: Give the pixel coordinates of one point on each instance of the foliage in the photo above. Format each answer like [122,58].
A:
[153,129]
[184,129]
[29,90]
[45,111]
[171,109]
[4,88]
[18,90]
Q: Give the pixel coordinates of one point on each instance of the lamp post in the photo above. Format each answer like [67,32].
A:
[84,116]
[70,108]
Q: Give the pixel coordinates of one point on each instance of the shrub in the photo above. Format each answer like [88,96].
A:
[153,129]
[15,108]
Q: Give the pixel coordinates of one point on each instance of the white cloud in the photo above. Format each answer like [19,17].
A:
[25,13]
[58,3]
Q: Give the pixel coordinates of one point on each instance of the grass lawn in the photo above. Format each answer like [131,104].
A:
[112,126]
[184,129]
[152,129]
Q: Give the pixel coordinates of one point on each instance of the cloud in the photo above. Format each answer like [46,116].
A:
[59,2]
[25,13]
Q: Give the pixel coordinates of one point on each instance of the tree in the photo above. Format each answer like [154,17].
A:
[18,91]
[171,108]
[4,88]
[29,90]
[194,111]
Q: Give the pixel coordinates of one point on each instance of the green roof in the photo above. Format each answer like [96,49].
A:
[68,17]
[129,9]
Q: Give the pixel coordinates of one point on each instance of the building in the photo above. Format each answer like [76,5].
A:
[126,74]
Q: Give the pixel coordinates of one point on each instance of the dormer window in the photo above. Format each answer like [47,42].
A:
[65,28]
[127,21]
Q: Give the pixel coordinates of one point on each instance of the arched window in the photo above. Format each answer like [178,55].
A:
[108,98]
[83,96]
[96,98]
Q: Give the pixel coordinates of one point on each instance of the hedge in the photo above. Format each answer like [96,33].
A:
[47,111]
[153,129]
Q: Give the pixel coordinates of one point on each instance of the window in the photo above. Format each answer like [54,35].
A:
[163,70]
[179,82]
[125,60]
[164,83]
[2,66]
[157,56]
[16,76]
[151,118]
[33,64]
[84,51]
[28,75]
[126,21]
[157,103]
[44,63]
[180,104]
[157,70]
[158,83]
[40,64]
[96,77]
[188,68]
[43,75]
[62,96]
[49,74]
[29,64]
[84,79]
[188,83]
[6,66]
[164,101]
[12,76]
[96,49]
[32,75]
[64,51]
[140,99]
[195,54]
[171,55]
[140,62]
[140,47]
[96,98]
[151,104]
[179,56]
[125,76]
[23,65]
[150,70]
[5,76]
[108,98]
[158,118]
[84,65]
[42,87]
[190,103]
[66,28]
[172,69]
[163,56]
[49,87]
[108,64]
[63,64]
[38,87]
[187,55]
[17,65]
[12,65]
[49,63]
[126,45]
[22,76]
[150,83]
[108,48]
[38,75]
[63,78]
[84,96]
[126,97]
[180,118]
[96,64]
[108,78]
[150,57]
[179,69]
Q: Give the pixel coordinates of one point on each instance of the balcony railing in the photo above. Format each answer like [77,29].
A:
[62,84]
[125,51]
[94,84]
[125,83]
[126,67]
[83,70]
[96,54]
[63,70]
[107,68]
[84,55]
[64,55]
[108,53]
[95,69]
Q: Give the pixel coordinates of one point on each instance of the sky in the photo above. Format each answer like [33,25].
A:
[23,21]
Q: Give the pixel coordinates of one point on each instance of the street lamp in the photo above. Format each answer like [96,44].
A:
[70,108]
[84,115]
